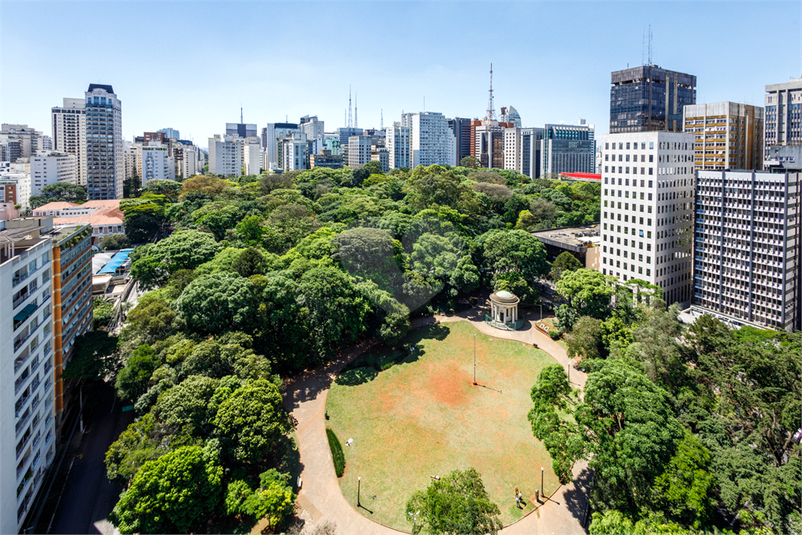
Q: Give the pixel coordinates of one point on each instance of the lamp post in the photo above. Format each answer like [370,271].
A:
[474,359]
[541,311]
[358,489]
[541,483]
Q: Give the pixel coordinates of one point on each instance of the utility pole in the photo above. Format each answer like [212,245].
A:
[358,489]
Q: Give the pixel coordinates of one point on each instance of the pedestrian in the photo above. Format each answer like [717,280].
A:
[521,498]
[517,498]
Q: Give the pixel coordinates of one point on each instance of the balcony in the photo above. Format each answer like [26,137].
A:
[21,422]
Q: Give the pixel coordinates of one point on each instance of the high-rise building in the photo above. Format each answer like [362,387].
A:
[272,137]
[105,161]
[747,247]
[225,156]
[186,159]
[50,167]
[155,163]
[728,135]
[648,99]
[647,210]
[311,127]
[15,184]
[358,151]
[510,115]
[26,369]
[69,132]
[26,138]
[568,149]
[431,141]
[397,141]
[461,128]
[252,155]
[45,143]
[241,130]
[172,133]
[488,142]
[381,155]
[294,150]
[783,125]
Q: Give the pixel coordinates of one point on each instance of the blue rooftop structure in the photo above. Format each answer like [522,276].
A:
[115,262]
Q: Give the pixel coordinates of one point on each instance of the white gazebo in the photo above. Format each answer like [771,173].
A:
[504,307]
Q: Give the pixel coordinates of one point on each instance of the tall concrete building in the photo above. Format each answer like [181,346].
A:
[510,115]
[747,247]
[358,151]
[488,142]
[272,137]
[295,151]
[105,161]
[22,140]
[50,167]
[26,366]
[155,163]
[69,132]
[431,141]
[242,130]
[397,140]
[648,99]
[461,128]
[225,156]
[728,135]
[15,184]
[647,210]
[783,125]
[568,149]
[170,133]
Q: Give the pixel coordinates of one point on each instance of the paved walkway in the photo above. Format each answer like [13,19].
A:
[320,499]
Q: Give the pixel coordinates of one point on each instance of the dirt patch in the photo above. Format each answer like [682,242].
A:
[449,386]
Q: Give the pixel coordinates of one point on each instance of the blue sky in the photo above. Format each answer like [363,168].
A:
[189,65]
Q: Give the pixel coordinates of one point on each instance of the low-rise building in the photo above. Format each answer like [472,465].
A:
[582,242]
[50,167]
[105,216]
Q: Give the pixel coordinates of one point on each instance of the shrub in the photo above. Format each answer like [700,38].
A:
[555,334]
[336,452]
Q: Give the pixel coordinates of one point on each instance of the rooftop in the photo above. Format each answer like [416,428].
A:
[570,237]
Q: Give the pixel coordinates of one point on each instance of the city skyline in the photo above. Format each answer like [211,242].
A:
[206,67]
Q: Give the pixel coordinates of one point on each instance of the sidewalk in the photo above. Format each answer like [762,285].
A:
[320,499]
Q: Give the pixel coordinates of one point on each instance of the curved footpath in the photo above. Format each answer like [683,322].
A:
[320,498]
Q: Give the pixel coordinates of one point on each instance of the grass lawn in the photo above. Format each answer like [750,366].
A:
[423,417]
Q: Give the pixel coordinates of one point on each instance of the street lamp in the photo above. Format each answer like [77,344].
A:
[358,489]
[541,483]
[474,359]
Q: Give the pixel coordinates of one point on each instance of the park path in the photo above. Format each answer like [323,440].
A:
[320,499]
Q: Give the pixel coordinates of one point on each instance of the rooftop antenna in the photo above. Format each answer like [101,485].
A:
[381,123]
[356,120]
[650,45]
[491,111]
[349,106]
[240,115]
[643,48]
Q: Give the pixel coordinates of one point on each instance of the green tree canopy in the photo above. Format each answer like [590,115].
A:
[457,503]
[588,292]
[59,192]
[217,303]
[91,357]
[515,250]
[565,261]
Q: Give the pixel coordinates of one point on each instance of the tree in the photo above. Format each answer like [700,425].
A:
[250,422]
[151,320]
[186,249]
[91,356]
[273,500]
[515,250]
[585,339]
[470,161]
[176,493]
[205,185]
[457,503]
[514,282]
[58,192]
[588,292]
[185,404]
[250,262]
[543,211]
[132,381]
[114,242]
[217,303]
[565,261]
[168,188]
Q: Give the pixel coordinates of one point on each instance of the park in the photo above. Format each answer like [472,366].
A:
[423,417]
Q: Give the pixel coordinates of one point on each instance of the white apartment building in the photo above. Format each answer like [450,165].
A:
[294,149]
[273,136]
[186,160]
[26,370]
[358,151]
[431,141]
[15,184]
[647,210]
[397,141]
[225,156]
[154,163]
[105,162]
[783,114]
[49,167]
[252,155]
[22,140]
[69,132]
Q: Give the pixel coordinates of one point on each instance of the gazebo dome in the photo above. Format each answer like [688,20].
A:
[504,297]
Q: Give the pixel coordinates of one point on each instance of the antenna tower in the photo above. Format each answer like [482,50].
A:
[240,115]
[349,107]
[650,44]
[491,110]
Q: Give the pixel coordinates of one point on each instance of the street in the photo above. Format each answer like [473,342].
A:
[87,495]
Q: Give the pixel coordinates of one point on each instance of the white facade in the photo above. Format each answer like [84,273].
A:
[25,139]
[51,167]
[225,156]
[431,141]
[187,165]
[27,446]
[154,163]
[358,151]
[294,151]
[397,140]
[105,161]
[783,120]
[647,210]
[381,155]
[273,141]
[252,155]
[170,133]
[15,184]
[69,132]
